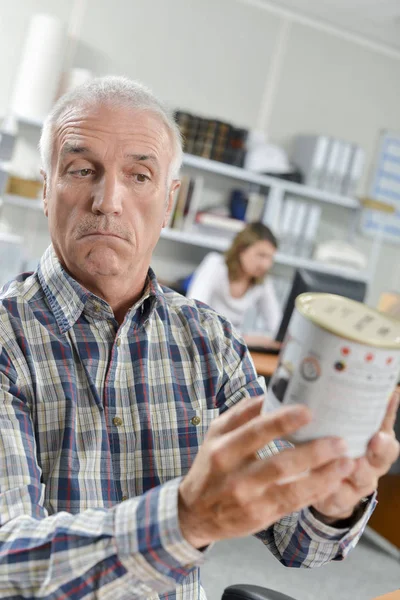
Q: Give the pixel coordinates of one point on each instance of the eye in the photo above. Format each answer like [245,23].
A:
[141,177]
[83,173]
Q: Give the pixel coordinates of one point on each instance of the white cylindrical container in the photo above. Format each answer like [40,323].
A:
[40,68]
[74,78]
[341,359]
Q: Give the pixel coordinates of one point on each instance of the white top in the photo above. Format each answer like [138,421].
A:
[210,284]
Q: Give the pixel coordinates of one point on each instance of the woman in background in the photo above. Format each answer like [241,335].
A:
[237,285]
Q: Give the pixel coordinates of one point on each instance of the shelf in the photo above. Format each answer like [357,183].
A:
[21,202]
[213,166]
[30,121]
[10,238]
[220,243]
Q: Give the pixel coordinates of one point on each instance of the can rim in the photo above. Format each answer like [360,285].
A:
[300,306]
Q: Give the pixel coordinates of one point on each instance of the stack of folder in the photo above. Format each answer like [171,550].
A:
[328,163]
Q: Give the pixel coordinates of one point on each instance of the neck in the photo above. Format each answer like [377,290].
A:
[120,295]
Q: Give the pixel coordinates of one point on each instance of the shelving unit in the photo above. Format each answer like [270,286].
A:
[201,237]
[266,181]
[204,240]
[21,202]
[276,189]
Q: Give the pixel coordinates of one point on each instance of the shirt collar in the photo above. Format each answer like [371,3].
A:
[68,299]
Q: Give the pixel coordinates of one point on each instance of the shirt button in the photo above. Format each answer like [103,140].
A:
[117,421]
[124,498]
[195,420]
[118,342]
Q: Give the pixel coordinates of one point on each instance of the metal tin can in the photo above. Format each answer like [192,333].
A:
[341,359]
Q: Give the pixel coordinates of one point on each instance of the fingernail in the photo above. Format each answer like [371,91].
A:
[344,465]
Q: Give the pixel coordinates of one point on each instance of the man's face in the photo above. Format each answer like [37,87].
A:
[109,194]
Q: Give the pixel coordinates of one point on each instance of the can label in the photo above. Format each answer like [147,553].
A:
[345,384]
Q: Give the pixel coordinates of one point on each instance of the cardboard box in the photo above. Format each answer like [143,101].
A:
[27,188]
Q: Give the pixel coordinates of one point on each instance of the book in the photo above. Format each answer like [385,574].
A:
[194,202]
[220,222]
[177,217]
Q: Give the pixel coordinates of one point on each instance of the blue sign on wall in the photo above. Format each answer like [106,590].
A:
[386,187]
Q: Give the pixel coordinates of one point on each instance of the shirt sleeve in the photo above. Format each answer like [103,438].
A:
[269,308]
[206,279]
[136,545]
[298,539]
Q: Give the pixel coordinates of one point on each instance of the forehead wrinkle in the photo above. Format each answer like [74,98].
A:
[146,133]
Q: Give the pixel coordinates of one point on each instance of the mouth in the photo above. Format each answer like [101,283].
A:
[105,234]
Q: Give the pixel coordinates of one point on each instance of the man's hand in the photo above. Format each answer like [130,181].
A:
[230,492]
[383,451]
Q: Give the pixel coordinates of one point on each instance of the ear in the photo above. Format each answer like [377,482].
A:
[175,185]
[45,190]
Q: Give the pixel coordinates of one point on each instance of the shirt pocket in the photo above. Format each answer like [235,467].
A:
[177,438]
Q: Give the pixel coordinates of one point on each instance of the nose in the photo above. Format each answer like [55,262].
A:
[107,196]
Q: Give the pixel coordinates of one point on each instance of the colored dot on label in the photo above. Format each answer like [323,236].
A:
[345,351]
[340,366]
[369,357]
[389,360]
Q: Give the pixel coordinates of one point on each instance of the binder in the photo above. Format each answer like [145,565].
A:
[332,166]
[287,225]
[354,172]
[312,221]
[343,167]
[299,221]
[309,155]
[255,207]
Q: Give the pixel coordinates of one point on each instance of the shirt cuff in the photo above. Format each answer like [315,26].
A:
[149,540]
[346,538]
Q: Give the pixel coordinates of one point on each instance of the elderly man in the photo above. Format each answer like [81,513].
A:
[117,472]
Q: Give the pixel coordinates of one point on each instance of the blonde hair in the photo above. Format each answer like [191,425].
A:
[252,233]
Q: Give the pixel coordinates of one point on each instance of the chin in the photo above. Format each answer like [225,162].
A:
[103,261]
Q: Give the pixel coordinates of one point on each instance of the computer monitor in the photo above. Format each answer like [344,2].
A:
[309,281]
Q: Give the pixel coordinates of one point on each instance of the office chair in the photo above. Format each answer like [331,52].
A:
[244,591]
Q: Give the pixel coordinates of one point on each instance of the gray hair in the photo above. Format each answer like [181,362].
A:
[117,91]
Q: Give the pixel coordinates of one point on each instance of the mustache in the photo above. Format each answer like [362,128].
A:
[102,225]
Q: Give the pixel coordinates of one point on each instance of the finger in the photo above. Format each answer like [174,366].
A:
[308,491]
[238,415]
[362,474]
[391,412]
[383,451]
[295,462]
[343,501]
[230,450]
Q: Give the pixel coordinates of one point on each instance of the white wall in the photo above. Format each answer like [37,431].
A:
[215,57]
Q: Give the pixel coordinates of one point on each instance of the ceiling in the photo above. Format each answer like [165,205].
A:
[377,20]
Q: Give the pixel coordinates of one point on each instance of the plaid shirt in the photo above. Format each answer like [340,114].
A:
[98,423]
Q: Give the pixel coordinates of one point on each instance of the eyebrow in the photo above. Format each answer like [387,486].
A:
[142,157]
[69,148]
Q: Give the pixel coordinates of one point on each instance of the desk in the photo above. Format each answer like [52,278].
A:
[264,363]
[392,596]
